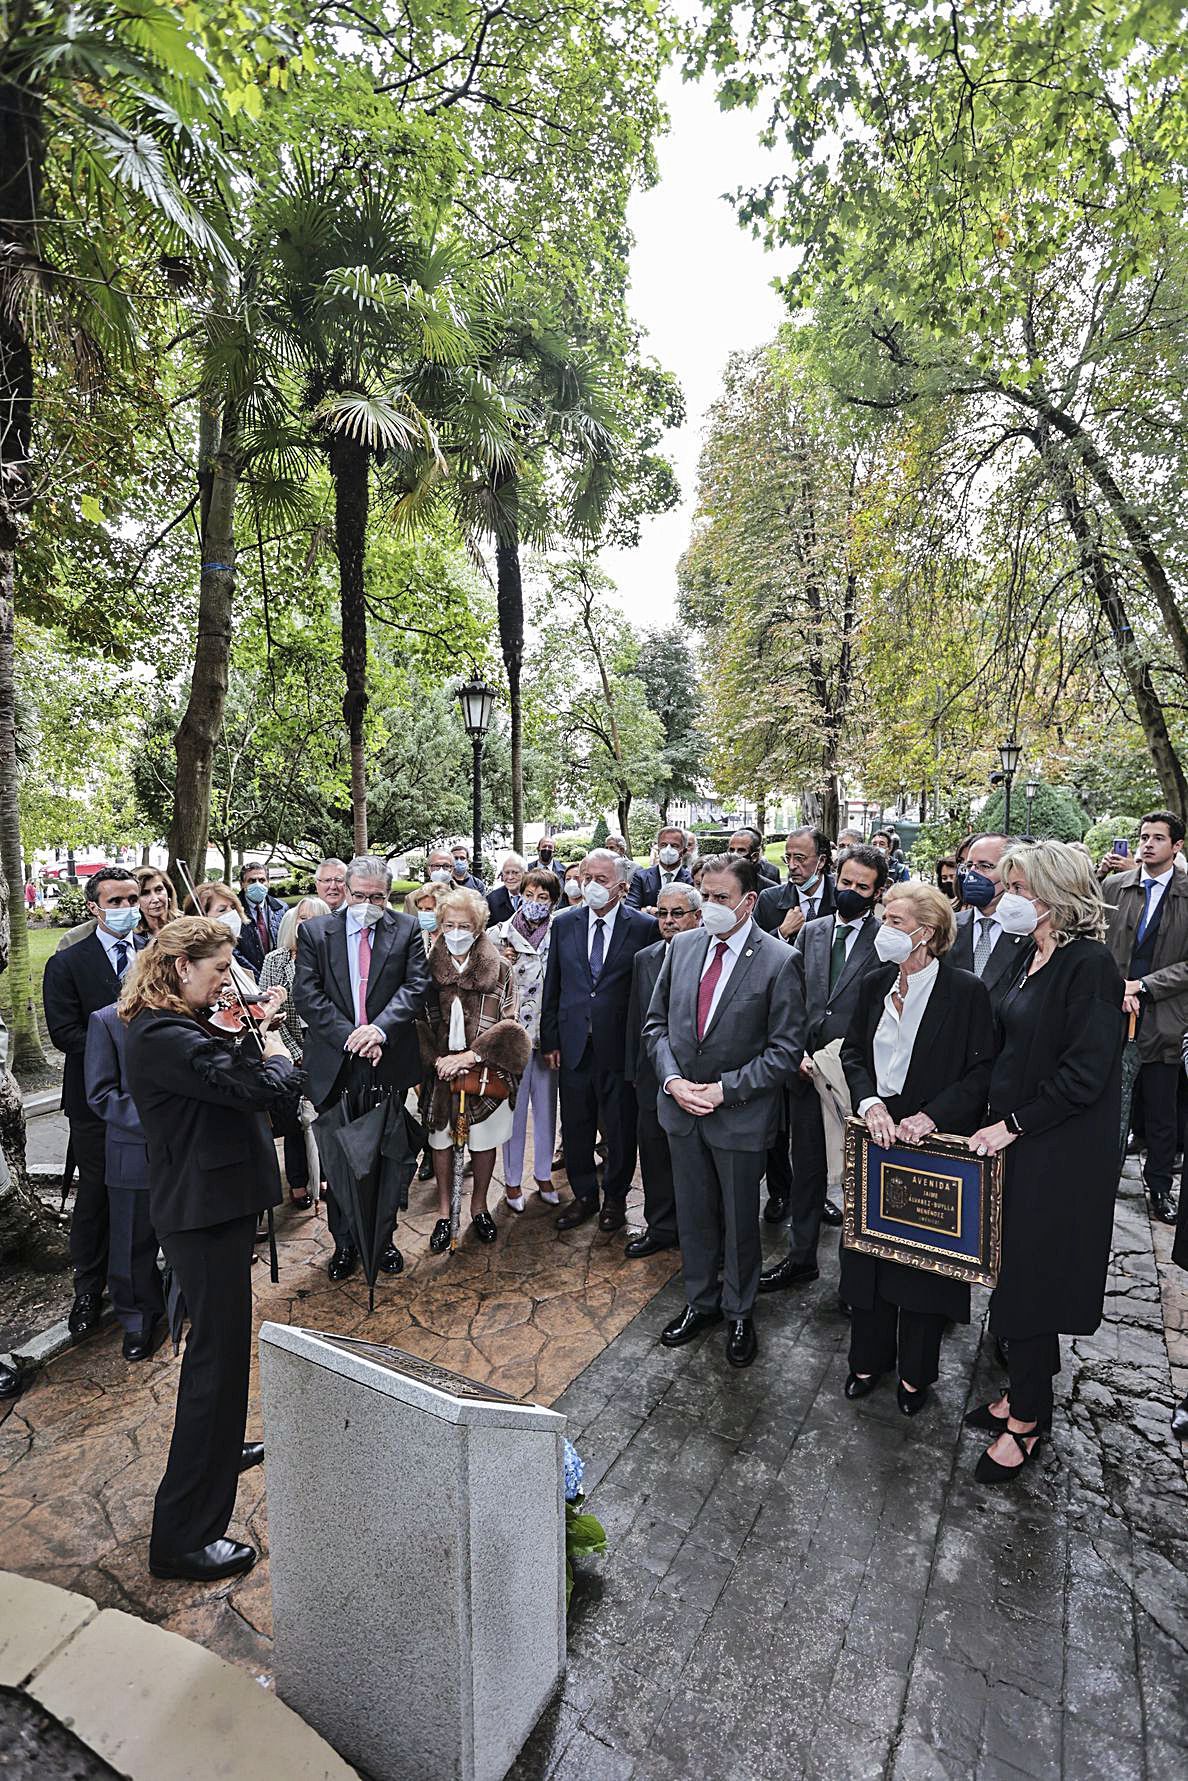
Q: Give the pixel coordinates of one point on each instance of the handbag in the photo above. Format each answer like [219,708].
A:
[483,1082]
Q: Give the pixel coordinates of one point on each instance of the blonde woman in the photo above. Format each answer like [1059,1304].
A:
[423,903]
[917,1060]
[158,899]
[1055,1107]
[469,1020]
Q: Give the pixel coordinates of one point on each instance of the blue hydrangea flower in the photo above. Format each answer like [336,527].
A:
[574,1472]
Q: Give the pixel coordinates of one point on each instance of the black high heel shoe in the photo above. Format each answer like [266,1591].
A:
[984,1418]
[911,1402]
[857,1387]
[988,1471]
[440,1238]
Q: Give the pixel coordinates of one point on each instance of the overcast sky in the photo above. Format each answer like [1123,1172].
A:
[701,289]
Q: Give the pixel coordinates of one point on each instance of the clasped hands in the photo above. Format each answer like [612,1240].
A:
[367,1042]
[883,1129]
[697,1098]
[456,1063]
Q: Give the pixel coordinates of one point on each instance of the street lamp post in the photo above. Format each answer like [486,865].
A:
[1008,754]
[477,700]
[1029,791]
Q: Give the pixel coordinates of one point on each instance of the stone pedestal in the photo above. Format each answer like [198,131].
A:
[417,1556]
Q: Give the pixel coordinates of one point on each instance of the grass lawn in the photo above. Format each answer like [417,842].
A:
[42,941]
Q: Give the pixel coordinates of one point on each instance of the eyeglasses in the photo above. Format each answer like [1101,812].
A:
[379,898]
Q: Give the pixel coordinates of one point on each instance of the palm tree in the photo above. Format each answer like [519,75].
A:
[368,310]
[553,468]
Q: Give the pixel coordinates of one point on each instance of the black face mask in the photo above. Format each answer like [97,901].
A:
[851,904]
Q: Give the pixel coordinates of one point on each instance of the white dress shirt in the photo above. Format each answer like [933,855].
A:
[109,942]
[895,1035]
[735,944]
[810,901]
[1162,880]
[851,930]
[607,917]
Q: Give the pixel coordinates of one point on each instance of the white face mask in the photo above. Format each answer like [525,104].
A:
[596,895]
[440,875]
[459,941]
[1016,914]
[669,856]
[573,890]
[718,919]
[232,921]
[367,913]
[893,946]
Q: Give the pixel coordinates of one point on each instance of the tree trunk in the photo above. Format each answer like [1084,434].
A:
[349,468]
[198,733]
[1100,579]
[624,808]
[830,821]
[663,810]
[761,815]
[27,1053]
[510,596]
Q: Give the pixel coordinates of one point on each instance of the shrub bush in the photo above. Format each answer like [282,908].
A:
[1100,838]
[1055,814]
[70,908]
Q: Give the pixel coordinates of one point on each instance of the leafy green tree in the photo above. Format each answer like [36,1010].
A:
[1055,813]
[667,667]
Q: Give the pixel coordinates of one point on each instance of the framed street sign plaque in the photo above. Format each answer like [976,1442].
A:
[933,1205]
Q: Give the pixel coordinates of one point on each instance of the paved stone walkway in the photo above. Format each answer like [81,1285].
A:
[799,1586]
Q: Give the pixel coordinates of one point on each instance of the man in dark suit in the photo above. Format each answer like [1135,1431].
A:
[782,910]
[747,844]
[838,953]
[503,899]
[262,917]
[982,946]
[1148,938]
[132,1274]
[679,911]
[648,881]
[360,983]
[583,1033]
[85,977]
[726,1032]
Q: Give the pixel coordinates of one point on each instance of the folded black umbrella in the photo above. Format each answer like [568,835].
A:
[369,1150]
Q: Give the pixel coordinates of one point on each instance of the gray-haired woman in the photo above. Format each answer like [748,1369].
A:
[278,968]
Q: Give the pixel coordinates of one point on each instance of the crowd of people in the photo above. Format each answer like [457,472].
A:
[700,1016]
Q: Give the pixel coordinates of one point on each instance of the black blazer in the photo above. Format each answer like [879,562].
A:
[396,988]
[948,1078]
[776,900]
[646,886]
[575,1011]
[76,983]
[202,1101]
[645,970]
[1006,964]
[768,874]
[500,904]
[248,948]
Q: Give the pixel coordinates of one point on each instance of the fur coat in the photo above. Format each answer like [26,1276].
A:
[486,989]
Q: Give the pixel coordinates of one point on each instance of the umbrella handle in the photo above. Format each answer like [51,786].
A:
[1133,1027]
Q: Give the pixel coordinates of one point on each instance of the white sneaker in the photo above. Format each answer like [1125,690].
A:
[515,1201]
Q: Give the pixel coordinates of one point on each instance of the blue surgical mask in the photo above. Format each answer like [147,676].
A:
[255,893]
[461,868]
[120,921]
[426,920]
[533,911]
[976,889]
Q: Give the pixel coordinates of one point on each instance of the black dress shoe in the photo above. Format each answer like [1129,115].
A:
[485,1228]
[252,1455]
[343,1262]
[1179,1421]
[577,1214]
[857,1387]
[776,1210]
[832,1214]
[844,1306]
[911,1402]
[425,1172]
[12,1381]
[222,1558]
[788,1273]
[689,1324]
[742,1344]
[612,1217]
[391,1261]
[140,1347]
[440,1239]
[646,1244]
[86,1314]
[1163,1207]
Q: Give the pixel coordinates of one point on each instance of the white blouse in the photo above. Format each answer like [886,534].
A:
[895,1035]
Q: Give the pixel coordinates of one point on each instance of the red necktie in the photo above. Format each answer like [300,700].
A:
[365,935]
[709,983]
[262,928]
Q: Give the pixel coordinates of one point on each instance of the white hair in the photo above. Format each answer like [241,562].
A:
[608,853]
[689,891]
[369,865]
[303,910]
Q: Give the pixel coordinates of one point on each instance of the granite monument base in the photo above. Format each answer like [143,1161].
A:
[417,1556]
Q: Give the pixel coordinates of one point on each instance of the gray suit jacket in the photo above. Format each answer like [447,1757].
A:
[753,1045]
[1006,964]
[829,1016]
